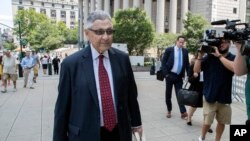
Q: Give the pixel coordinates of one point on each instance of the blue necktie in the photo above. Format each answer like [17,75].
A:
[179,68]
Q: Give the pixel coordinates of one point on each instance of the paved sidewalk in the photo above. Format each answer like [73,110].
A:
[27,115]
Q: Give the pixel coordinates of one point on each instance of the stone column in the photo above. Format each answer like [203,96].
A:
[116,5]
[160,16]
[92,5]
[86,11]
[136,3]
[184,10]
[148,8]
[99,4]
[125,4]
[107,6]
[172,16]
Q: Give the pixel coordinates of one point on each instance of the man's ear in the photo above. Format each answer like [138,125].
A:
[86,32]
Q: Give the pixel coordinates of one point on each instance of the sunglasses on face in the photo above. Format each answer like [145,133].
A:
[102,31]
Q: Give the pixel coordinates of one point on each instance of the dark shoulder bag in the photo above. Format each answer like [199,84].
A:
[187,97]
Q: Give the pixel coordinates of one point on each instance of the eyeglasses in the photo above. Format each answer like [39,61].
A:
[102,31]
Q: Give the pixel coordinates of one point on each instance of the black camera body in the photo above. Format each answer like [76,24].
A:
[236,34]
[210,41]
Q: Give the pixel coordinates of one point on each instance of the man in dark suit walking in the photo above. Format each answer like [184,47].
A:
[174,63]
[97,98]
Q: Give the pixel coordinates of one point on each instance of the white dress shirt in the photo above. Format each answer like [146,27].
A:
[176,59]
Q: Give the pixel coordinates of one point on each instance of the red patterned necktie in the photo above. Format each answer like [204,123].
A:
[108,110]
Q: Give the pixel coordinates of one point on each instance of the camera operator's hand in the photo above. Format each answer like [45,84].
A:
[200,53]
[238,45]
[216,52]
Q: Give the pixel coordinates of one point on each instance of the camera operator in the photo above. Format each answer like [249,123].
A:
[242,67]
[218,71]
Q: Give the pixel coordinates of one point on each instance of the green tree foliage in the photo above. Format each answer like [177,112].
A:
[28,20]
[164,40]
[9,45]
[133,28]
[161,41]
[41,32]
[71,36]
[194,28]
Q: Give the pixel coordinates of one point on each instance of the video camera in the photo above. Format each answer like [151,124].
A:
[211,39]
[237,32]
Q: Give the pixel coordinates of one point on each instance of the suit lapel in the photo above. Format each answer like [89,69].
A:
[115,71]
[88,69]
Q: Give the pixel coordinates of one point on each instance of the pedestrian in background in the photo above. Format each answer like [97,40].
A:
[97,98]
[45,61]
[27,64]
[196,84]
[36,63]
[55,63]
[174,64]
[9,70]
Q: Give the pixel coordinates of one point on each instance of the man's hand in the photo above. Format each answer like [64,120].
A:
[216,52]
[239,45]
[200,53]
[195,74]
[138,129]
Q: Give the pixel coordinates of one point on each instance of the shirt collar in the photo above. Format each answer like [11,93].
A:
[177,48]
[95,53]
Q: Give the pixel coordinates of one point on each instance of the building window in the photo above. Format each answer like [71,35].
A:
[53,5]
[20,8]
[42,3]
[31,3]
[72,7]
[247,19]
[62,6]
[43,11]
[53,13]
[72,15]
[20,2]
[248,2]
[63,14]
[72,25]
[71,0]
[235,10]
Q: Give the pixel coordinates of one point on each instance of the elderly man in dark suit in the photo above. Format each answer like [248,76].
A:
[97,98]
[174,63]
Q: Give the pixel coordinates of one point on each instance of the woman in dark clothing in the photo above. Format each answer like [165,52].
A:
[196,84]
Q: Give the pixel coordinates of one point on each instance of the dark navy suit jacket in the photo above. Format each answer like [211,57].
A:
[168,61]
[77,113]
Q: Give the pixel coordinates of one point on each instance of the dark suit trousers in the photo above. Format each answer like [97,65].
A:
[110,136]
[176,80]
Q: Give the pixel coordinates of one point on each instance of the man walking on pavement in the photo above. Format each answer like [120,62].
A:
[9,70]
[174,63]
[37,64]
[27,64]
[97,98]
[55,63]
